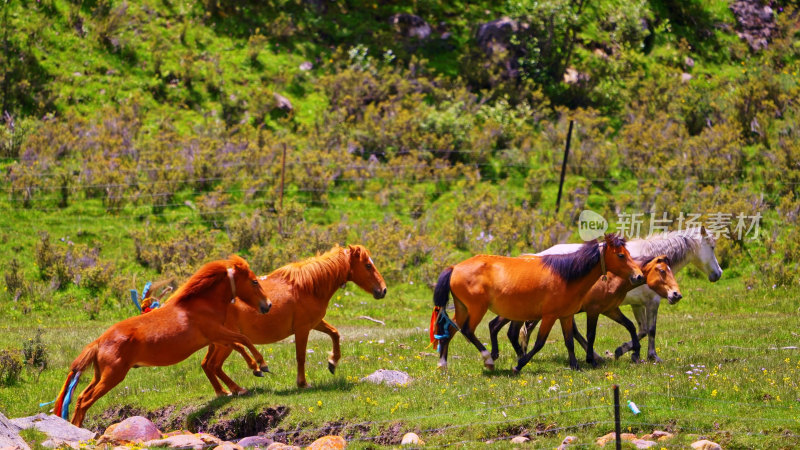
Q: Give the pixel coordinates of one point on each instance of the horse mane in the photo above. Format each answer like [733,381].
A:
[572,266]
[207,276]
[677,245]
[319,274]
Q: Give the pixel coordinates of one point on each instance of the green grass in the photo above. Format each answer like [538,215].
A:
[743,394]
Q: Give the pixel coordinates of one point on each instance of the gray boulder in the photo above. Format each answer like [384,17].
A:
[57,429]
[9,435]
[390,377]
[409,25]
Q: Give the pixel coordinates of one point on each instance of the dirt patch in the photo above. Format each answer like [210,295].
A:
[391,435]
[249,424]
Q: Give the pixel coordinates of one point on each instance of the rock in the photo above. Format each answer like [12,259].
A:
[705,444]
[255,441]
[9,435]
[756,22]
[662,435]
[132,429]
[496,35]
[688,62]
[328,443]
[409,25]
[390,377]
[282,103]
[686,77]
[282,446]
[566,442]
[519,440]
[194,441]
[57,429]
[627,436]
[411,439]
[572,76]
[642,443]
[306,66]
[228,446]
[603,440]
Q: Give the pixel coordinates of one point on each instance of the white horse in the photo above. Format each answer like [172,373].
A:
[692,246]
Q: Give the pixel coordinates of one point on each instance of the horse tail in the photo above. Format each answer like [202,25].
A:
[81,363]
[441,295]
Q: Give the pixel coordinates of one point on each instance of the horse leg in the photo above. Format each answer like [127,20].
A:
[110,376]
[300,345]
[640,313]
[469,324]
[541,338]
[567,328]
[591,333]
[444,344]
[221,335]
[208,369]
[495,325]
[336,353]
[219,358]
[652,316]
[524,337]
[617,316]
[513,337]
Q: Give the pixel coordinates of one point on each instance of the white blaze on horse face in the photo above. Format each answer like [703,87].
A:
[370,261]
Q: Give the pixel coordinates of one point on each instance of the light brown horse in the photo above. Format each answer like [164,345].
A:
[300,293]
[547,288]
[190,320]
[604,298]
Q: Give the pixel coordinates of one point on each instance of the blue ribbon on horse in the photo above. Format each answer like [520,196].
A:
[444,319]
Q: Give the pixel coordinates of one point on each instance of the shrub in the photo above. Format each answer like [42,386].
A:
[34,352]
[10,367]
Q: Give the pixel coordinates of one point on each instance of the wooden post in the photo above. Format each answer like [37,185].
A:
[564,166]
[283,173]
[617,427]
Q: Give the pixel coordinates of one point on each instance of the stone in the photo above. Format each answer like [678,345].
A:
[411,439]
[569,440]
[228,446]
[255,441]
[328,443]
[662,435]
[603,440]
[627,436]
[282,446]
[193,441]
[282,103]
[390,377]
[132,429]
[572,76]
[409,25]
[686,77]
[643,443]
[756,22]
[306,66]
[519,440]
[705,444]
[56,428]
[9,435]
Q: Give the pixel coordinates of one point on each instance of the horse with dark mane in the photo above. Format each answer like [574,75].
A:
[545,288]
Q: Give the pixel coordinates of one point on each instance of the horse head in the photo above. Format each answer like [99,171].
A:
[245,285]
[364,273]
[661,279]
[618,261]
[705,259]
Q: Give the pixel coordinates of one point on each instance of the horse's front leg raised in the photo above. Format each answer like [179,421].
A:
[336,353]
[617,316]
[225,336]
[640,313]
[541,338]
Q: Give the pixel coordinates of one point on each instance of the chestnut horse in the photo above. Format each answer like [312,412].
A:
[190,320]
[604,298]
[545,288]
[300,293]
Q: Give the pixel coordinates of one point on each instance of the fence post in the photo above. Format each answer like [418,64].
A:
[617,427]
[564,166]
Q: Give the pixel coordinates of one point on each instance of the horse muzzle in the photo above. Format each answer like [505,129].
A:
[637,279]
[379,293]
[265,306]
[715,276]
[674,297]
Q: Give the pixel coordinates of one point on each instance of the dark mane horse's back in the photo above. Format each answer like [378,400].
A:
[572,266]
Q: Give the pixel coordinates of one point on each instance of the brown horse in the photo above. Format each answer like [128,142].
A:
[190,320]
[300,293]
[547,288]
[604,298]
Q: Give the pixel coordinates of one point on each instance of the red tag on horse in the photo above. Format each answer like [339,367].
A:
[434,315]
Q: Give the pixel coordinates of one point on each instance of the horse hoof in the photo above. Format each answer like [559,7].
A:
[488,366]
[635,359]
[258,373]
[303,386]
[515,371]
[331,367]
[618,353]
[495,355]
[265,368]
[242,391]
[223,394]
[654,358]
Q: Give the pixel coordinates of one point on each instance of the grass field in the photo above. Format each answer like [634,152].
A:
[725,376]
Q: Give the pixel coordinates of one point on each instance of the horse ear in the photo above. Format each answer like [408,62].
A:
[239,262]
[703,231]
[355,250]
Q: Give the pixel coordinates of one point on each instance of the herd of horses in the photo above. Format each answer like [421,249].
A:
[225,307]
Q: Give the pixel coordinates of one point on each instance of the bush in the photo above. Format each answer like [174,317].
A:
[34,352]
[10,367]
